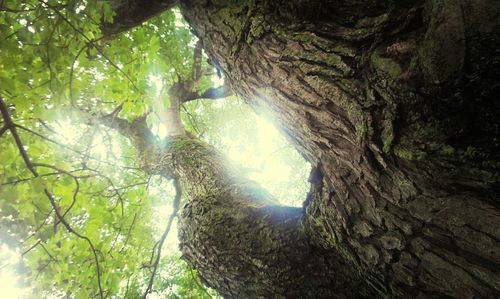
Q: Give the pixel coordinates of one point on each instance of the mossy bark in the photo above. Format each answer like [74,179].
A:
[394,103]
[245,245]
[396,108]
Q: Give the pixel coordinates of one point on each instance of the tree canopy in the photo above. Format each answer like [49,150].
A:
[86,218]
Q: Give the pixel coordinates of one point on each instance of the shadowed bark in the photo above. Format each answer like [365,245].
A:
[395,106]
[132,13]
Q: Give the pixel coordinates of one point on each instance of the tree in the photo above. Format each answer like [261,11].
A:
[394,104]
[403,190]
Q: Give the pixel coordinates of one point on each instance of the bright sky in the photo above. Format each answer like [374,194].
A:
[10,282]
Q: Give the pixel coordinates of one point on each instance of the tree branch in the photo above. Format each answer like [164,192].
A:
[195,279]
[31,248]
[68,147]
[91,42]
[129,232]
[3,130]
[123,126]
[75,179]
[132,13]
[175,205]
[112,185]
[10,124]
[72,71]
[197,59]
[212,93]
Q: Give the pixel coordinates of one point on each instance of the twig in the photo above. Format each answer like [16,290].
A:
[15,182]
[92,42]
[48,253]
[75,192]
[198,283]
[128,233]
[110,182]
[72,149]
[31,248]
[48,139]
[40,226]
[5,9]
[71,72]
[175,205]
[47,47]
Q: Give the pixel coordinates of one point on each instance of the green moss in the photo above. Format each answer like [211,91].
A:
[385,65]
[409,154]
[373,21]
[178,143]
[387,134]
[447,150]
[257,29]
[301,37]
[228,16]
[387,139]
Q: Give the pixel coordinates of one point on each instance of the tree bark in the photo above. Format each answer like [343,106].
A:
[386,106]
[245,245]
[395,106]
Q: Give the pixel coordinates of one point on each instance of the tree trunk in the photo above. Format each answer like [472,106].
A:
[245,245]
[394,105]
[241,241]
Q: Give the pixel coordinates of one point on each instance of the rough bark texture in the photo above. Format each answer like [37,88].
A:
[245,245]
[394,104]
[396,109]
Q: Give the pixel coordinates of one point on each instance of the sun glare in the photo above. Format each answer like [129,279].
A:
[10,281]
[100,145]
[268,158]
[66,130]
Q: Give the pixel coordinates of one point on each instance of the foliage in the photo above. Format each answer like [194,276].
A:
[179,280]
[57,76]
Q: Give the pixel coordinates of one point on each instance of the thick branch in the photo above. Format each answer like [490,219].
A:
[136,131]
[132,13]
[197,61]
[212,93]
[142,139]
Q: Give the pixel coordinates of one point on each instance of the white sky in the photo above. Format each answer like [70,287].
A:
[10,282]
